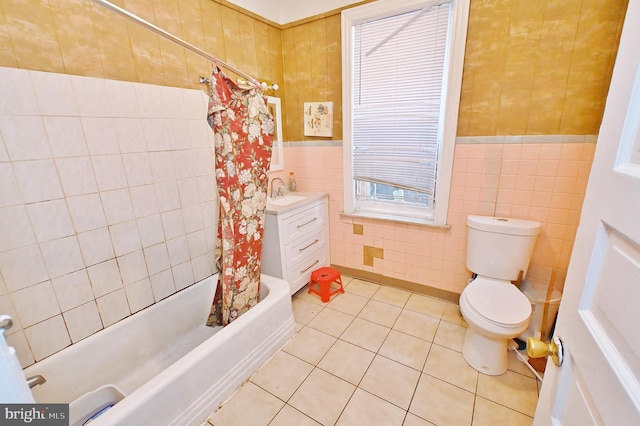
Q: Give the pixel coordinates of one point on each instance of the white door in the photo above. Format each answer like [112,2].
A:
[599,318]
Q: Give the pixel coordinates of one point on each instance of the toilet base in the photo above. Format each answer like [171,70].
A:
[485,354]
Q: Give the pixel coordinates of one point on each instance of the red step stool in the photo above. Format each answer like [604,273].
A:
[321,280]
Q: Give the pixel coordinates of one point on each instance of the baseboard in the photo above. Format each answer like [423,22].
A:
[398,283]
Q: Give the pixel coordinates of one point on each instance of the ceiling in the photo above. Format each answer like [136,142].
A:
[286,11]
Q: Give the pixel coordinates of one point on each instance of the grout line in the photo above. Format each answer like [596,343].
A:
[421,371]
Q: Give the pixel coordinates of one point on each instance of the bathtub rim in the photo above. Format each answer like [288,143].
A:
[208,401]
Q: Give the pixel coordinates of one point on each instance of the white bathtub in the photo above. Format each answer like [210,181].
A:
[170,367]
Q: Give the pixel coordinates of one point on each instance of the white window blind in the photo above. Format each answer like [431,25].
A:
[397,100]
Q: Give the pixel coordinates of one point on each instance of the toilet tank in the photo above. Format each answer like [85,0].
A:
[500,247]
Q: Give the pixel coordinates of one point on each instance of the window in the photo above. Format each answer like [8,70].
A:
[402,72]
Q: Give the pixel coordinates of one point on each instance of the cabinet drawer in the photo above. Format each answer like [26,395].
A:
[307,220]
[304,245]
[299,273]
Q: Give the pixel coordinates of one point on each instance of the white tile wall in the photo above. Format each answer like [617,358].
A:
[109,172]
[54,93]
[162,284]
[107,202]
[96,246]
[17,93]
[76,175]
[47,337]
[150,228]
[22,267]
[87,212]
[62,256]
[72,290]
[35,303]
[100,134]
[15,228]
[50,219]
[133,267]
[25,138]
[139,295]
[125,237]
[9,191]
[117,205]
[130,135]
[82,321]
[38,180]
[66,136]
[113,307]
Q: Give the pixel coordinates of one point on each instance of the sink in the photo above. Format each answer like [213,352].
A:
[285,200]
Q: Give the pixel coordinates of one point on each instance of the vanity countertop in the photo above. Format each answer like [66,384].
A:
[307,197]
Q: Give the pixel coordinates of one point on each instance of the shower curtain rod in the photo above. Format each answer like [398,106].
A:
[135,18]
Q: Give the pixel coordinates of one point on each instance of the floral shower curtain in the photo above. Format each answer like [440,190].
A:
[243,130]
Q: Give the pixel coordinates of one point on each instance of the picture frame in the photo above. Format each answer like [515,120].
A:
[318,119]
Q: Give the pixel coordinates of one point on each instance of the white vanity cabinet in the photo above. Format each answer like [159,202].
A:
[296,240]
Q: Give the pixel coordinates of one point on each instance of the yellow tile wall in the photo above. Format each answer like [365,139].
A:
[312,60]
[538,67]
[80,37]
[530,68]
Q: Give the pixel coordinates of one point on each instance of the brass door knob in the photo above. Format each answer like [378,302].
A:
[536,348]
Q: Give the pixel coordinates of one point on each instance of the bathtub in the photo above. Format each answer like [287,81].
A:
[162,365]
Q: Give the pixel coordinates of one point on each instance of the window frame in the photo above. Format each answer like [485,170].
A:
[448,115]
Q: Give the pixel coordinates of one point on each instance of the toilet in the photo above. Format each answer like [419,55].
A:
[498,252]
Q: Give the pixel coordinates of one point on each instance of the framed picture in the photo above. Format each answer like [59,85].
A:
[277,153]
[318,119]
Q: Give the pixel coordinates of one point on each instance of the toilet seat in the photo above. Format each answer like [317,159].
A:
[497,301]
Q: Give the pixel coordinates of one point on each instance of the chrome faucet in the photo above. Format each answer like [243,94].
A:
[6,322]
[280,190]
[36,380]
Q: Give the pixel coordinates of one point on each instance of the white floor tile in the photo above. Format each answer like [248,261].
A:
[332,322]
[405,349]
[390,381]
[309,345]
[347,361]
[289,416]
[393,296]
[442,403]
[418,325]
[365,334]
[380,313]
[510,389]
[263,408]
[361,288]
[488,413]
[367,409]
[378,355]
[450,335]
[449,365]
[282,375]
[348,303]
[322,397]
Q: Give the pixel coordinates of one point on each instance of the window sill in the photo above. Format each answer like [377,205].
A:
[395,218]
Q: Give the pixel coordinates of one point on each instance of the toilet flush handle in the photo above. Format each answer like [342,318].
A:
[536,348]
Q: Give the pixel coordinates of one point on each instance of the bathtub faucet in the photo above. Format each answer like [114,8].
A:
[36,380]
[280,190]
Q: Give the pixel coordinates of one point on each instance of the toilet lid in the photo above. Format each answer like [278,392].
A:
[498,301]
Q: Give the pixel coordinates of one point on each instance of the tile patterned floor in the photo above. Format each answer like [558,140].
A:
[377,355]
